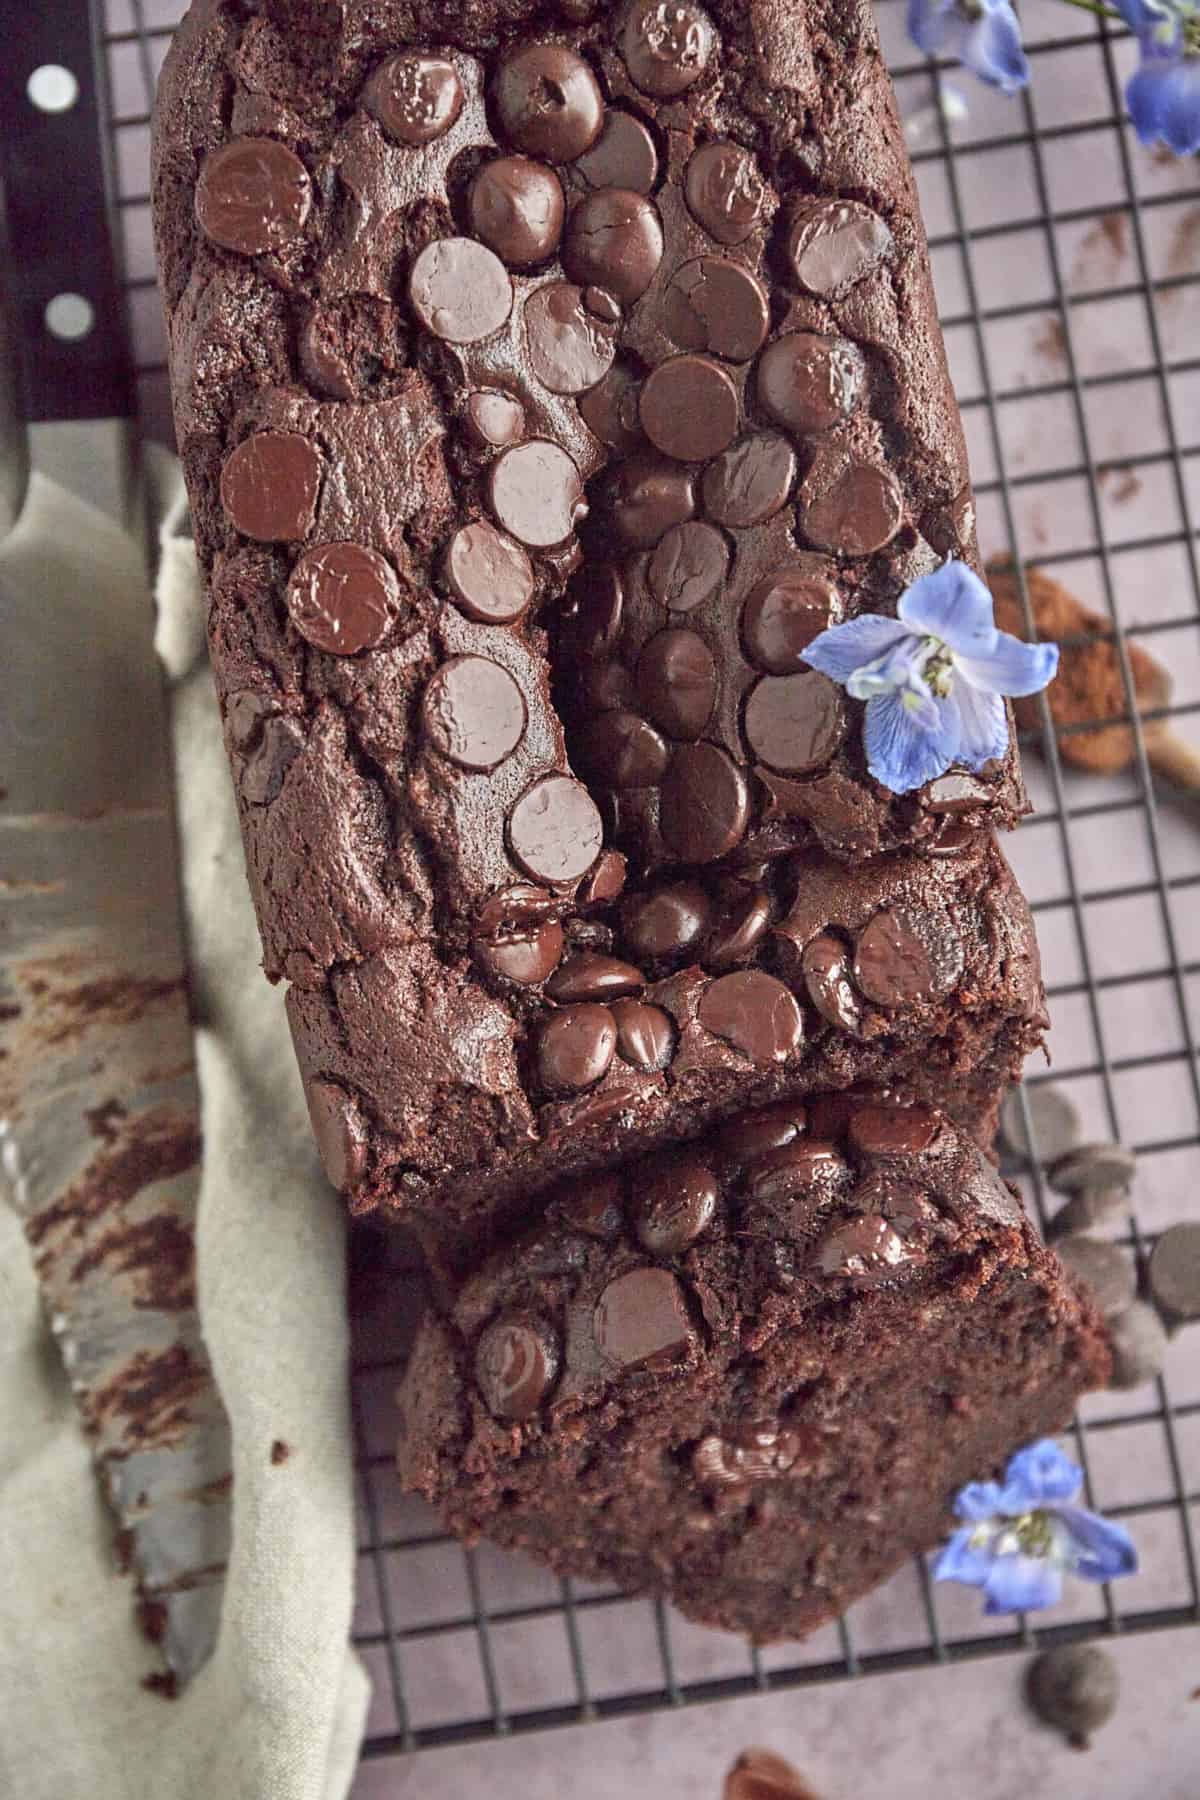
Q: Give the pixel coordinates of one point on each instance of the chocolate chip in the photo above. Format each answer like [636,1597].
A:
[555,830]
[610,409]
[515,909]
[795,723]
[673,1203]
[809,383]
[767,1128]
[689,567]
[677,681]
[622,750]
[1107,1271]
[350,345]
[865,1251]
[852,509]
[516,206]
[750,482]
[705,804]
[606,881]
[1074,1687]
[689,408]
[668,921]
[602,305]
[666,46]
[569,348]
[490,576]
[473,712]
[495,420]
[957,793]
[343,598]
[1054,1118]
[415,97]
[340,1132]
[826,965]
[548,102]
[270,485]
[596,600]
[535,491]
[719,305]
[807,1171]
[759,1775]
[615,240]
[1093,1165]
[516,1365]
[648,496]
[1089,1210]
[645,1035]
[526,957]
[724,191]
[893,1130]
[254,196]
[607,687]
[590,976]
[783,613]
[1175,1273]
[905,955]
[623,156]
[755,1013]
[831,244]
[575,1048]
[595,1208]
[642,1319]
[460,290]
[738,932]
[1138,1341]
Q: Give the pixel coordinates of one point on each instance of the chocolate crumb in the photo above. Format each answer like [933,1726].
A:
[280,1451]
[152,1617]
[163,1682]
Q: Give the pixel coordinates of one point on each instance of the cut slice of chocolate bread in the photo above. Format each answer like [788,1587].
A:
[751,1374]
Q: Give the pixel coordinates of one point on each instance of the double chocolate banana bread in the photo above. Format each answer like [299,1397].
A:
[546,377]
[750,1374]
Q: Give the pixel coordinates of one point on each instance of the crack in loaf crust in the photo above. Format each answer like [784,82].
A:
[750,1374]
[544,379]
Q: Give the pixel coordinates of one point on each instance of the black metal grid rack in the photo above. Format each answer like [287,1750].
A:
[1068,267]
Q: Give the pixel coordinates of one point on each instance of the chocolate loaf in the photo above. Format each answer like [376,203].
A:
[546,377]
[752,1373]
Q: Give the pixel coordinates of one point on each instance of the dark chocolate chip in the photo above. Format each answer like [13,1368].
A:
[677,681]
[606,881]
[648,496]
[760,1775]
[809,383]
[831,244]
[750,482]
[790,1181]
[515,909]
[668,921]
[689,567]
[596,600]
[575,1048]
[1138,1341]
[757,1453]
[623,156]
[610,409]
[622,750]
[755,1013]
[1175,1273]
[495,420]
[254,195]
[607,687]
[897,960]
[893,1130]
[1075,1688]
[719,305]
[489,575]
[1054,1118]
[343,598]
[738,932]
[1091,1209]
[595,1207]
[957,793]
[645,1035]
[852,510]
[667,46]
[705,804]
[615,240]
[516,1365]
[591,976]
[673,1203]
[795,723]
[783,613]
[526,957]
[460,290]
[768,1128]
[724,191]
[826,965]
[555,830]
[535,491]
[340,1132]
[473,712]
[1108,1272]
[1093,1165]
[516,206]
[270,485]
[415,97]
[866,1251]
[602,305]
[569,348]
[548,102]
[689,408]
[642,1319]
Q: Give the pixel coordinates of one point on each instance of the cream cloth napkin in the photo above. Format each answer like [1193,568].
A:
[278,1714]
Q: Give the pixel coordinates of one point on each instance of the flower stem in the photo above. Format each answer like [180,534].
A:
[1095,6]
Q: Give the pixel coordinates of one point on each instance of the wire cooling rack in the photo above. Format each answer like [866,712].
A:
[1067,262]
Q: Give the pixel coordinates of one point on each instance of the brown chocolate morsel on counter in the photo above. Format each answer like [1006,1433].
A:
[795,723]
[526,957]
[724,191]
[865,1250]
[755,1013]
[767,1128]
[340,1131]
[516,206]
[596,601]
[667,46]
[750,482]
[705,804]
[667,921]
[673,1202]
[473,712]
[606,881]
[575,1048]
[623,156]
[595,1207]
[622,750]
[849,507]
[689,566]
[555,830]
[460,290]
[809,383]
[738,932]
[570,349]
[719,305]
[645,1035]
[807,1169]
[831,244]
[610,409]
[254,195]
[548,102]
[415,97]
[343,598]
[615,240]
[689,408]
[893,1130]
[642,1318]
[826,965]
[905,955]
[495,420]
[648,496]
[489,575]
[270,485]
[677,681]
[783,613]
[516,1365]
[591,976]
[535,491]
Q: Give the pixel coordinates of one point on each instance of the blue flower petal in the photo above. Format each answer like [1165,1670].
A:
[1142,15]
[978,1501]
[1011,668]
[1163,98]
[932,23]
[992,49]
[1038,1473]
[1018,1583]
[1100,1549]
[843,649]
[953,604]
[903,753]
[982,725]
[962,1560]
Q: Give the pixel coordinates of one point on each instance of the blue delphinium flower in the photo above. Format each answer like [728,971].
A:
[1021,1537]
[933,677]
[983,35]
[1164,95]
